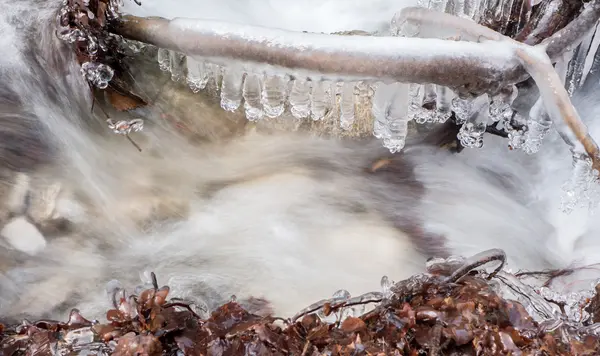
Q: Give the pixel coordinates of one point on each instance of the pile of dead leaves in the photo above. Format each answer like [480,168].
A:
[425,314]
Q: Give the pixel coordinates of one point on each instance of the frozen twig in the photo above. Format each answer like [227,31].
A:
[468,68]
[479,260]
[557,102]
[572,34]
[493,62]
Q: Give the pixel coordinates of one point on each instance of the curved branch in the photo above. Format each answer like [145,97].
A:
[559,106]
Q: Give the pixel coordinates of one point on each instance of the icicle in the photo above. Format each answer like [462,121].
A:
[576,189]
[397,119]
[347,106]
[471,132]
[472,9]
[422,99]
[438,5]
[500,107]
[231,90]
[274,95]
[215,71]
[575,67]
[320,99]
[538,125]
[379,107]
[443,104]
[461,108]
[589,59]
[177,70]
[164,59]
[459,8]
[390,112]
[300,99]
[251,91]
[503,14]
[197,74]
[515,128]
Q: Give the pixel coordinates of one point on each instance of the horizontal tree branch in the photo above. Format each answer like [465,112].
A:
[466,67]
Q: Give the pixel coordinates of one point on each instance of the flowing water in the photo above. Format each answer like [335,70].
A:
[215,209]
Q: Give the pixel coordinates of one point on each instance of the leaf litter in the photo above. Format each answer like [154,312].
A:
[456,308]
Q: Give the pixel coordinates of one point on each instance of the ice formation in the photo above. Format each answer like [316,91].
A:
[272,74]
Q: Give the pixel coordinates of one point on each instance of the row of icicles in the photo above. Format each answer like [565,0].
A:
[393,105]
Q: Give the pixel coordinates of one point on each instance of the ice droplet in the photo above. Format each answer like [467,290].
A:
[231,90]
[347,106]
[125,127]
[300,99]
[97,73]
[500,107]
[320,99]
[274,95]
[471,132]
[462,109]
[251,91]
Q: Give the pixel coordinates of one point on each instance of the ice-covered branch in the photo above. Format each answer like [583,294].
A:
[572,34]
[463,66]
[547,18]
[557,103]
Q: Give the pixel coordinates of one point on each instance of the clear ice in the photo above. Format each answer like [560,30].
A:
[177,65]
[97,73]
[347,106]
[320,99]
[471,132]
[581,190]
[252,93]
[390,112]
[197,74]
[300,95]
[274,95]
[443,104]
[231,89]
[538,126]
